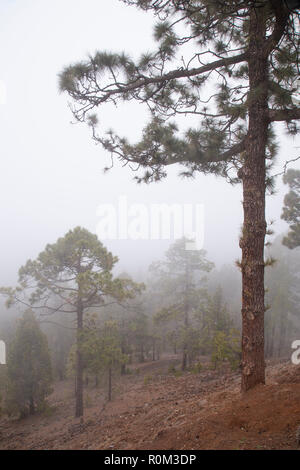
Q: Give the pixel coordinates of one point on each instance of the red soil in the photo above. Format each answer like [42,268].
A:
[156,410]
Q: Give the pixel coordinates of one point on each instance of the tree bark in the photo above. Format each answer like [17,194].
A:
[254,229]
[79,364]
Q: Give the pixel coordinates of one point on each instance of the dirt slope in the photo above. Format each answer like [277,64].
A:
[157,410]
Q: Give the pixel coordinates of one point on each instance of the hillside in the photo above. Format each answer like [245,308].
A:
[154,409]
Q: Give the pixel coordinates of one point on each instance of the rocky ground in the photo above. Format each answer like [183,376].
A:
[154,409]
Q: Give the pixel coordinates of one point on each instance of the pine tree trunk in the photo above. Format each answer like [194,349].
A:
[184,360]
[31,406]
[61,375]
[270,349]
[123,365]
[272,342]
[123,348]
[79,364]
[142,357]
[123,369]
[186,321]
[267,341]
[185,345]
[282,338]
[254,228]
[109,384]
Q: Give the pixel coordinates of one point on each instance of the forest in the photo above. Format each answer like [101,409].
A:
[105,345]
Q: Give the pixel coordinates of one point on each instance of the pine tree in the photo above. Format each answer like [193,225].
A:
[226,347]
[218,312]
[29,372]
[282,296]
[101,351]
[291,209]
[139,327]
[177,276]
[72,276]
[238,80]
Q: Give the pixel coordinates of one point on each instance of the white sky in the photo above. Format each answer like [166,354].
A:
[51,171]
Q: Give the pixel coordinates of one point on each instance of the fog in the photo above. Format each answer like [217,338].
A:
[146,352]
[51,171]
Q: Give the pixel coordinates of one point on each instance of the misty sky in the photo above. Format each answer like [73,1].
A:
[51,171]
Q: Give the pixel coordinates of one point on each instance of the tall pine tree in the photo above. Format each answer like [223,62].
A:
[177,275]
[238,80]
[72,276]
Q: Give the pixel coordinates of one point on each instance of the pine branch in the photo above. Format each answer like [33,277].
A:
[120,88]
[282,16]
[283,114]
[235,150]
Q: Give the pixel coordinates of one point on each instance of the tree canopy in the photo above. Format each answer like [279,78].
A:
[214,37]
[234,65]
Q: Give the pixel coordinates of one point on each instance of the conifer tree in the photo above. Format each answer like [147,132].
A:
[72,276]
[291,208]
[139,327]
[233,64]
[101,350]
[29,371]
[177,276]
[282,296]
